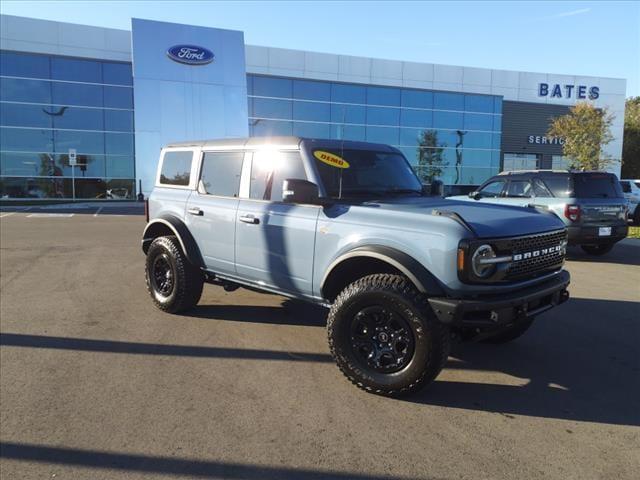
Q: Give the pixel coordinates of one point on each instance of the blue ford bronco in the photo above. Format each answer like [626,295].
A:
[349,226]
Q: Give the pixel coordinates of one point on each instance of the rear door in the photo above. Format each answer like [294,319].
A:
[275,241]
[212,207]
[519,192]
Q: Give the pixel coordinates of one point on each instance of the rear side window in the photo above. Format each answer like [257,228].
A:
[559,185]
[540,189]
[221,173]
[270,169]
[176,168]
[626,187]
[596,185]
[519,188]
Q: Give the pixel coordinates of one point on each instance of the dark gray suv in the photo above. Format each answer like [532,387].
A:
[591,204]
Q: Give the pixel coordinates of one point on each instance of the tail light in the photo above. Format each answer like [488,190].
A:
[572,212]
[146,209]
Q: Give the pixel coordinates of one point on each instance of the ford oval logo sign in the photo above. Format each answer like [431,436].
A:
[190,54]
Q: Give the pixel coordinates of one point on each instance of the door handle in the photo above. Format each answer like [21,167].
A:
[195,211]
[249,219]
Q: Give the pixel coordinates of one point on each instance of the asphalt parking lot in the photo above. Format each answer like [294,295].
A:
[95,383]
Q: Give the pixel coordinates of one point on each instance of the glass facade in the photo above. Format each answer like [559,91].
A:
[521,161]
[51,104]
[454,137]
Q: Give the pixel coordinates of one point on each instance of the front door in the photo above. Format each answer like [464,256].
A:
[275,240]
[211,210]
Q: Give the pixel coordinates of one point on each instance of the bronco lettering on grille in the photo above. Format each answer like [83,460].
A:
[537,253]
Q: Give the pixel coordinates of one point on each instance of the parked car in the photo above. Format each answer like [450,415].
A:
[631,191]
[347,225]
[591,204]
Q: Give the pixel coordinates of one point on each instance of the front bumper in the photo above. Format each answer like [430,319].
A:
[588,235]
[497,310]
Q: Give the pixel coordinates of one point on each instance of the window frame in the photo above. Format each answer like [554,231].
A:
[200,163]
[196,160]
[505,192]
[245,181]
[489,182]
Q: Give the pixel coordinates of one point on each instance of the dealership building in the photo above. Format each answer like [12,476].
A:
[85,110]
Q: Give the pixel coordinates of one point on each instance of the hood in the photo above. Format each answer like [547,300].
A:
[486,220]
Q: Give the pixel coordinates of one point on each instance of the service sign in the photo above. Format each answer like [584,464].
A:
[190,54]
[331,159]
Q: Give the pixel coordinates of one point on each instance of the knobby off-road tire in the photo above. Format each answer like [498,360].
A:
[597,249]
[357,319]
[510,334]
[174,284]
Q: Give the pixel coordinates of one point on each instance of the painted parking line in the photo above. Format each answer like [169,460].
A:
[8,214]
[98,211]
[49,215]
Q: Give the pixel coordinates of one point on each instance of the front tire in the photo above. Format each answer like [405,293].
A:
[597,249]
[384,336]
[174,284]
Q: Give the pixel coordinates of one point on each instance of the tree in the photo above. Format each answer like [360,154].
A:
[430,162]
[631,145]
[585,129]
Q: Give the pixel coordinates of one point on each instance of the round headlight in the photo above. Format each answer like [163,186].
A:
[482,268]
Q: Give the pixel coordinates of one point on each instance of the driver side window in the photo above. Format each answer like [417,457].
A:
[492,189]
[270,169]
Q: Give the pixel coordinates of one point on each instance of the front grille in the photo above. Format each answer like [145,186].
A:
[535,261]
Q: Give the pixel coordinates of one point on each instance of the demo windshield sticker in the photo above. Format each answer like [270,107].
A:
[331,159]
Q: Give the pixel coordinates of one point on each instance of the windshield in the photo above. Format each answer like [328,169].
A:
[596,185]
[358,173]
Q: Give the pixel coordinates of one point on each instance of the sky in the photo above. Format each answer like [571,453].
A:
[576,38]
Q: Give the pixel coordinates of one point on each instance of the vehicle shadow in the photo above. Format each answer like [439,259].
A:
[163,465]
[291,312]
[579,362]
[625,252]
[153,349]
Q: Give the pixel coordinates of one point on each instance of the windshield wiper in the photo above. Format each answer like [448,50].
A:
[400,191]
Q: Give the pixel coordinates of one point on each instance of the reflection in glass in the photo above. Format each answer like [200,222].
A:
[22,115]
[14,64]
[430,160]
[53,116]
[21,90]
[455,135]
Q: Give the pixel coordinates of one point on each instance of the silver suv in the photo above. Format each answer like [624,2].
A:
[631,190]
[348,225]
[590,204]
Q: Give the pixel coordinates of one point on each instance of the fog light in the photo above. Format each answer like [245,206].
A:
[481,262]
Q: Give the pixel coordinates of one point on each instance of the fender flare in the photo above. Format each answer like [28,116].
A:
[180,230]
[422,278]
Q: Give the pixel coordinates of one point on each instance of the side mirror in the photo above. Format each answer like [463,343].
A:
[299,191]
[475,195]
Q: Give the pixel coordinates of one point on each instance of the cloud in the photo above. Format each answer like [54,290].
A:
[570,13]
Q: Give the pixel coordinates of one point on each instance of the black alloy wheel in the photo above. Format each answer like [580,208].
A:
[162,275]
[382,339]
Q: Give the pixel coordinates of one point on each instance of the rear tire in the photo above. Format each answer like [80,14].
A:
[597,249]
[174,283]
[384,336]
[510,334]
[636,216]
